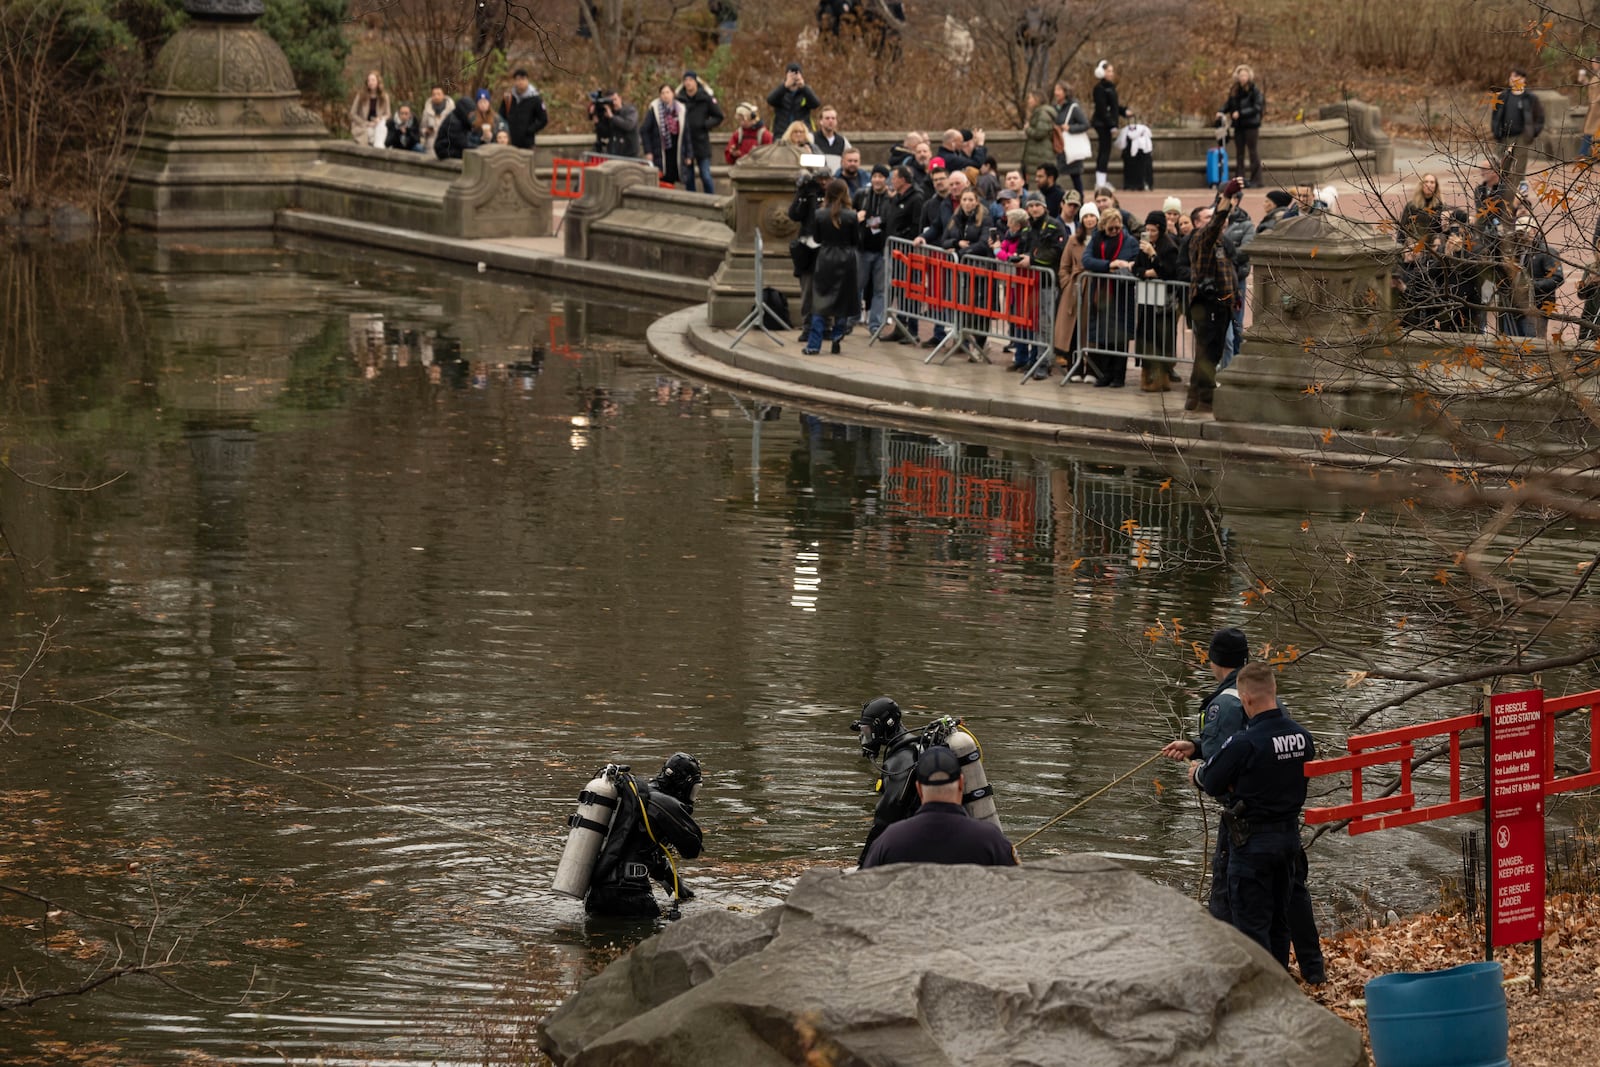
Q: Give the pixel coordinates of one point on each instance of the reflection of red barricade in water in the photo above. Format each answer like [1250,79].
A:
[995,505]
[1396,749]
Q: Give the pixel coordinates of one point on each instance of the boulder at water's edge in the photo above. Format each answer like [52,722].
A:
[1073,960]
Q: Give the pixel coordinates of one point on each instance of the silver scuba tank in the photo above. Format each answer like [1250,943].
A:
[979,797]
[597,806]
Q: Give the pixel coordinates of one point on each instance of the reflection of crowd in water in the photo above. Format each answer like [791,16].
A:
[376,343]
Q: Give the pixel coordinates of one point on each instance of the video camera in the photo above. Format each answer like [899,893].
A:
[600,103]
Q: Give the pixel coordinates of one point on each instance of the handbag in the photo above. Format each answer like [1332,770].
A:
[379,138]
[804,256]
[1075,147]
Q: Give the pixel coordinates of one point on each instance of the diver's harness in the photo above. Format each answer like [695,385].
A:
[617,774]
[938,732]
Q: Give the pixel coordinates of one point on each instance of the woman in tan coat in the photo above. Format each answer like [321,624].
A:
[369,110]
[1066,340]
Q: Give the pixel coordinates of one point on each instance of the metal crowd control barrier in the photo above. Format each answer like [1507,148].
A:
[915,278]
[1120,315]
[759,312]
[972,298]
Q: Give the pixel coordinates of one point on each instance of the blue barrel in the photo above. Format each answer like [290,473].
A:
[1449,1018]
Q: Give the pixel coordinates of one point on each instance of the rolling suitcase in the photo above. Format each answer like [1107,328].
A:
[1217,165]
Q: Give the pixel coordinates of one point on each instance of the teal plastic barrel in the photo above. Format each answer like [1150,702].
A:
[1450,1018]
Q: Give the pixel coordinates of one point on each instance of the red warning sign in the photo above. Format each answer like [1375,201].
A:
[1516,816]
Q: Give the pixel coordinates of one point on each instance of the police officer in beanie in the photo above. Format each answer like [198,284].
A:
[1259,774]
[651,817]
[1221,716]
[941,831]
[881,730]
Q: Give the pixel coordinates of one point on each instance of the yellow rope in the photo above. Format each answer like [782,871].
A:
[651,834]
[1099,792]
[321,784]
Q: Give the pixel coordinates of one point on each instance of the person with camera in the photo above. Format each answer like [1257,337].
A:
[904,221]
[793,101]
[808,190]
[701,115]
[835,285]
[616,125]
[1213,295]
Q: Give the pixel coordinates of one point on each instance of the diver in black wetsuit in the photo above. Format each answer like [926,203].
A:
[651,816]
[881,730]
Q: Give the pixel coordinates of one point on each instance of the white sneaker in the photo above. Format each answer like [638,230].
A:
[1099,179]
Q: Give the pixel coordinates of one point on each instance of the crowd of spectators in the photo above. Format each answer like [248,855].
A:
[944,190]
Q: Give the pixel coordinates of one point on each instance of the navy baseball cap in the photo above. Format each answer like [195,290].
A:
[938,766]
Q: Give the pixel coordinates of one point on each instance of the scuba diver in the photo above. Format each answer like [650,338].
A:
[881,730]
[620,837]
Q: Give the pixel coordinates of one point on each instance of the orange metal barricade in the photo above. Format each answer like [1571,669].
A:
[566,178]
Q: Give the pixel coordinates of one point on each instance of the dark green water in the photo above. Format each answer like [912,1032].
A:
[453,541]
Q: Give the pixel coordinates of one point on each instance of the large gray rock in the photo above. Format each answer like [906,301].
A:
[1069,961]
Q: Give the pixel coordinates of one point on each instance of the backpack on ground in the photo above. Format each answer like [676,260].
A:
[777,313]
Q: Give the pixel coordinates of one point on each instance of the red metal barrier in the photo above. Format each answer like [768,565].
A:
[988,293]
[1398,747]
[935,491]
[566,178]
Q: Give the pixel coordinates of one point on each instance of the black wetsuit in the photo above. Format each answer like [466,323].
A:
[897,797]
[633,851]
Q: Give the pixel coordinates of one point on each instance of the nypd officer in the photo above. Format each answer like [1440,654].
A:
[1221,716]
[881,730]
[1260,771]
[941,831]
[650,818]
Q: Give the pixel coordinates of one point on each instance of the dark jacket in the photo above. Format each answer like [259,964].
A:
[619,135]
[1047,236]
[1108,110]
[1517,115]
[1262,765]
[702,114]
[1164,262]
[791,105]
[406,135]
[936,212]
[955,159]
[525,118]
[877,206]
[972,229]
[1251,104]
[941,833]
[455,132]
[897,797]
[835,291]
[1221,716]
[905,219]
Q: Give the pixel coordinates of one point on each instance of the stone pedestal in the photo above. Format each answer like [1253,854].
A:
[1322,329]
[226,134]
[763,189]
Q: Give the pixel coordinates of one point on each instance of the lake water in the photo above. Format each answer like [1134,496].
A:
[394,555]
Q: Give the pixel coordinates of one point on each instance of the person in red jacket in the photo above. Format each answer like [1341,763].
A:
[751,134]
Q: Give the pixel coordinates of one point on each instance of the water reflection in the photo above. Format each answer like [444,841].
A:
[448,542]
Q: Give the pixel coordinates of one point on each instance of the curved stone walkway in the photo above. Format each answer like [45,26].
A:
[889,382]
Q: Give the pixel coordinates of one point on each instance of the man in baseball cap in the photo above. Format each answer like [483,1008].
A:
[940,831]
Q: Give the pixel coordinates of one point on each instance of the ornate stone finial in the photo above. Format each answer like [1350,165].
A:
[225,9]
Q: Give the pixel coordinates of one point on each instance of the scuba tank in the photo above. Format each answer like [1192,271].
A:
[979,797]
[597,806]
